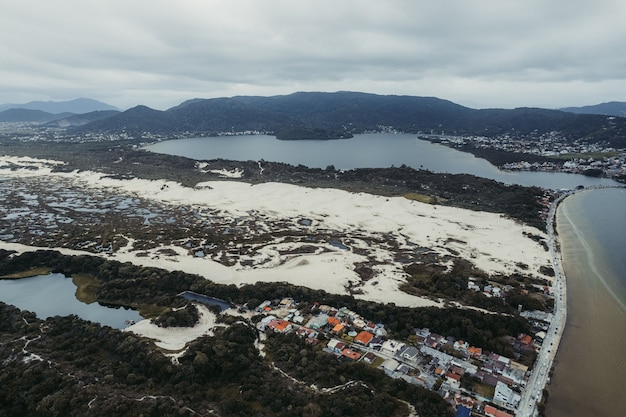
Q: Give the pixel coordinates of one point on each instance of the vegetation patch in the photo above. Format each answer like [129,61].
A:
[33,272]
[87,285]
[422,198]
[152,310]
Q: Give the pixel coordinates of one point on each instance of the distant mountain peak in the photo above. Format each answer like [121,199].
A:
[611,108]
[77,106]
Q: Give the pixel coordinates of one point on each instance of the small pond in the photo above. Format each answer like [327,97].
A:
[54,295]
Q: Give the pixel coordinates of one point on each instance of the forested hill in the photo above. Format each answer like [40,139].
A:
[332,115]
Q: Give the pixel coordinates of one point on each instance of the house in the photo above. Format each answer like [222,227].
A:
[433,340]
[307,333]
[369,358]
[487,379]
[335,346]
[287,302]
[265,304]
[475,352]
[380,330]
[461,345]
[280,326]
[324,308]
[456,369]
[351,354]
[525,339]
[377,343]
[491,411]
[390,347]
[425,332]
[338,329]
[403,369]
[453,379]
[364,338]
[505,396]
[410,353]
[333,321]
[318,321]
[359,323]
[262,325]
[389,366]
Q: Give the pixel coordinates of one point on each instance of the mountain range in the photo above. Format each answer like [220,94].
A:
[333,115]
[316,115]
[612,108]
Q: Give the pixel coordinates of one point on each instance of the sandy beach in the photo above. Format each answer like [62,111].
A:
[590,360]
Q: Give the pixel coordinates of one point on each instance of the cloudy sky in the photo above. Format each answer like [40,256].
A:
[479,53]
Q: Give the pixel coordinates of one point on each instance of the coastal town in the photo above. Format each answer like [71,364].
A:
[558,153]
[470,378]
[473,380]
[567,156]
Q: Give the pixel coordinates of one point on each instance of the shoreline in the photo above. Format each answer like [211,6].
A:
[584,382]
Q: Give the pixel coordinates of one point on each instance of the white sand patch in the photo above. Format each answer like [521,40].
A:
[176,338]
[224,173]
[235,173]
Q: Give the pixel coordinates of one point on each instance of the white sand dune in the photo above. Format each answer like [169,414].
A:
[176,338]
[492,242]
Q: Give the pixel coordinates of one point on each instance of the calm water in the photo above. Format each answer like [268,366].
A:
[53,295]
[591,362]
[363,151]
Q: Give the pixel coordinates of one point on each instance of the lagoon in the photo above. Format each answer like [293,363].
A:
[53,295]
[376,150]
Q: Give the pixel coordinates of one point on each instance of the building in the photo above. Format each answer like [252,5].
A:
[364,338]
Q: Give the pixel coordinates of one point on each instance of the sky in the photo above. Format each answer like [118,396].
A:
[159,53]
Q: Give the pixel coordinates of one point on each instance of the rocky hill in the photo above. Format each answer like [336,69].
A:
[331,115]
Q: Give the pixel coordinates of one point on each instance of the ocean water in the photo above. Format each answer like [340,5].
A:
[591,362]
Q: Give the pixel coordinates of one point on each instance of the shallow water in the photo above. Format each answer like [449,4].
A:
[591,362]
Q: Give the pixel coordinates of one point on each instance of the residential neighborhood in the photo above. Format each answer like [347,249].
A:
[468,377]
[573,157]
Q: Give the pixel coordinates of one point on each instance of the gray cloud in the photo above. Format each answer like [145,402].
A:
[481,53]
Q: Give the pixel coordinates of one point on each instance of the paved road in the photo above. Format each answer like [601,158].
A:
[539,375]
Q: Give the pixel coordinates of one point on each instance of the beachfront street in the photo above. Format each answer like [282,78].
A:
[540,373]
